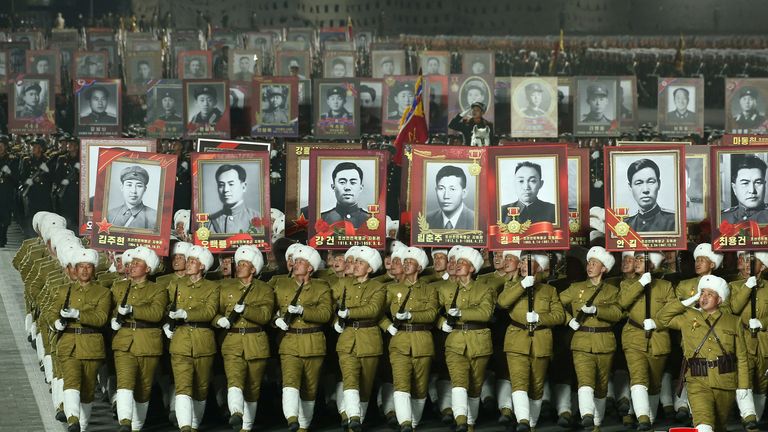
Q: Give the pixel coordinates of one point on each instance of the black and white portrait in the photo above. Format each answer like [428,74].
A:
[195,67]
[346,189]
[400,97]
[31,98]
[748,109]
[97,104]
[596,102]
[474,89]
[696,184]
[261,42]
[337,65]
[42,65]
[293,63]
[626,102]
[387,62]
[205,103]
[232,194]
[742,187]
[275,104]
[534,107]
[435,63]
[574,183]
[90,153]
[337,102]
[478,62]
[370,105]
[134,195]
[529,185]
[91,65]
[451,196]
[143,68]
[681,104]
[243,65]
[166,104]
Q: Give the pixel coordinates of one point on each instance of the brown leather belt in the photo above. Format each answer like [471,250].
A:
[81,330]
[414,327]
[525,327]
[140,325]
[595,329]
[361,324]
[635,324]
[245,330]
[304,330]
[203,325]
[470,326]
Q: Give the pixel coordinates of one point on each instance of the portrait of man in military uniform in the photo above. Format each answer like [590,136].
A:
[474,90]
[335,99]
[91,66]
[400,99]
[234,214]
[644,181]
[30,100]
[339,67]
[746,112]
[169,111]
[42,65]
[432,66]
[143,72]
[348,184]
[274,104]
[451,194]
[205,108]
[597,105]
[534,95]
[747,187]
[527,182]
[95,104]
[681,107]
[387,63]
[243,67]
[132,181]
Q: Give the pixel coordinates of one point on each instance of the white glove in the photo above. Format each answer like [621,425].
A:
[754,323]
[281,324]
[298,309]
[337,326]
[574,324]
[645,279]
[527,281]
[28,182]
[77,165]
[185,165]
[6,169]
[115,325]
[392,330]
[743,394]
[167,331]
[751,282]
[223,322]
[33,328]
[125,310]
[60,326]
[70,313]
[178,314]
[446,327]
[64,182]
[239,308]
[44,167]
[28,321]
[532,317]
[454,312]
[591,310]
[649,324]
[403,316]
[343,313]
[691,300]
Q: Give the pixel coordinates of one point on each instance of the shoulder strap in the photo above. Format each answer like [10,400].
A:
[704,339]
[717,339]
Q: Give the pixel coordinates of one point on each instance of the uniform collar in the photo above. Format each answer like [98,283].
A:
[346,209]
[650,213]
[237,209]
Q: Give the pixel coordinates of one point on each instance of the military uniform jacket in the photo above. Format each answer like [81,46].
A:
[365,301]
[211,119]
[475,300]
[149,302]
[93,301]
[632,300]
[354,215]
[422,303]
[26,245]
[740,303]
[608,313]
[656,219]
[166,280]
[495,281]
[98,118]
[47,266]
[537,211]
[692,325]
[546,303]
[315,298]
[141,216]
[739,213]
[259,306]
[273,281]
[35,253]
[233,220]
[201,301]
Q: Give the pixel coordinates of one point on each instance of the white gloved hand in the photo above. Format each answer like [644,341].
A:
[167,331]
[392,330]
[281,324]
[115,325]
[574,324]
[77,165]
[28,182]
[239,308]
[403,316]
[691,300]
[223,322]
[64,182]
[298,309]
[70,313]
[6,169]
[125,310]
[645,279]
[44,167]
[754,323]
[743,394]
[454,312]
[751,282]
[33,328]
[337,326]
[60,326]
[591,310]
[178,314]
[649,324]
[446,327]
[527,281]
[532,317]
[343,313]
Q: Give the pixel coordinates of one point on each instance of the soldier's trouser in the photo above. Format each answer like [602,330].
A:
[136,373]
[528,374]
[757,366]
[245,375]
[358,373]
[467,372]
[410,374]
[301,373]
[191,375]
[80,375]
[645,369]
[592,370]
[709,406]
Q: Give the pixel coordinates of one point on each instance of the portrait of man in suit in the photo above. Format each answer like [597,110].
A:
[451,192]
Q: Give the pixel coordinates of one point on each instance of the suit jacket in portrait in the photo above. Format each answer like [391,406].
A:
[466,220]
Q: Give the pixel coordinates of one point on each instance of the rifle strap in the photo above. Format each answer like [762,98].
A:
[706,336]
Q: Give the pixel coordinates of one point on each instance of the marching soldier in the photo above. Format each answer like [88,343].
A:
[179,254]
[528,340]
[66,181]
[714,351]
[627,270]
[138,309]
[9,178]
[439,265]
[391,274]
[36,182]
[289,252]
[245,307]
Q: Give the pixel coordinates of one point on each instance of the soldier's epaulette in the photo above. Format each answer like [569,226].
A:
[730,209]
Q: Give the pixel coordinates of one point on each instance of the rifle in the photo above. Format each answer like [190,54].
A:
[647,292]
[752,294]
[233,316]
[401,309]
[65,306]
[529,292]
[69,176]
[343,306]
[25,187]
[289,317]
[121,318]
[580,315]
[451,319]
[172,323]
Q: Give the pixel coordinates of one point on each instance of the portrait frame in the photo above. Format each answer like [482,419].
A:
[487,58]
[444,62]
[108,237]
[328,127]
[740,234]
[304,35]
[240,108]
[252,39]
[15,57]
[583,127]
[43,121]
[390,114]
[438,111]
[459,87]
[533,122]
[578,216]
[184,58]
[268,124]
[343,234]
[159,123]
[620,236]
[734,89]
[378,57]
[628,113]
[209,145]
[33,38]
[142,45]
[347,58]
[370,116]
[89,152]
[84,126]
[672,124]
[259,228]
[82,57]
[427,161]
[509,231]
[194,129]
[136,85]
[253,55]
[110,49]
[99,34]
[697,170]
[283,59]
[67,52]
[54,60]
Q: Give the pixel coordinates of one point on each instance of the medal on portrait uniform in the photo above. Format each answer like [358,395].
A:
[513,226]
[573,223]
[475,169]
[622,228]
[372,223]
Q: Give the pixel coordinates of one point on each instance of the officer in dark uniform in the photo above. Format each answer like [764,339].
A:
[597,99]
[466,121]
[528,182]
[36,188]
[748,184]
[644,181]
[208,114]
[66,180]
[681,113]
[31,105]
[168,105]
[335,100]
[750,117]
[275,112]
[98,99]
[534,94]
[182,197]
[347,185]
[9,177]
[402,97]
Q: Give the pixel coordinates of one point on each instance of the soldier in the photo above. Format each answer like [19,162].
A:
[245,307]
[627,270]
[750,117]
[208,114]
[597,100]
[528,341]
[335,265]
[196,301]
[534,95]
[289,252]
[402,99]
[9,178]
[84,310]
[276,111]
[304,307]
[36,176]
[469,307]
[591,309]
[707,261]
[465,122]
[644,179]
[335,100]
[66,181]
[178,264]
[392,272]
[98,100]
[168,104]
[748,185]
[30,103]
[137,343]
[360,344]
[713,346]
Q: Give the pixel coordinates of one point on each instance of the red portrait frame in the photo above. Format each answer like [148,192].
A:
[578,220]
[289,130]
[81,85]
[181,62]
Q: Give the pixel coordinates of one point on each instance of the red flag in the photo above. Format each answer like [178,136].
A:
[413,125]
